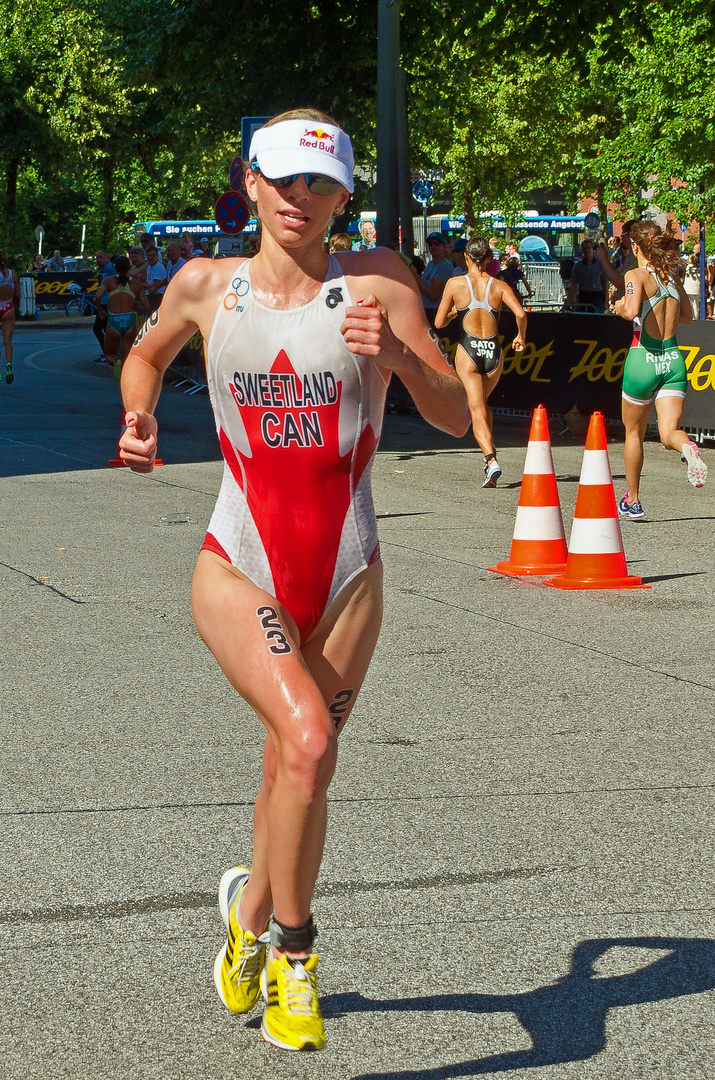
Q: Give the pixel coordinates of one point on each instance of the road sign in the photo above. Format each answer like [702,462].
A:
[427,174]
[592,221]
[423,192]
[236,174]
[249,124]
[231,212]
[592,234]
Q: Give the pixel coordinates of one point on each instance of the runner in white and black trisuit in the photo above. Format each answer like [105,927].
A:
[476,298]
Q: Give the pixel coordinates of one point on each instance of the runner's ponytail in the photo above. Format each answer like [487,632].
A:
[122,267]
[660,248]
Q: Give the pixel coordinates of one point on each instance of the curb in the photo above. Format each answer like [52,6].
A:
[68,324]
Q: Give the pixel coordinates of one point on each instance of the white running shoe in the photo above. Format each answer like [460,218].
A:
[492,472]
[697,469]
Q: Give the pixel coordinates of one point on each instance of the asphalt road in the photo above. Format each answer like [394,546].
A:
[518,879]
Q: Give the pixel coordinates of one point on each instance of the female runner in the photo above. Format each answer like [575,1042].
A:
[123,292]
[9,292]
[477,298]
[656,303]
[287,592]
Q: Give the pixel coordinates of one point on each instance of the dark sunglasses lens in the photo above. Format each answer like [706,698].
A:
[319,185]
[323,185]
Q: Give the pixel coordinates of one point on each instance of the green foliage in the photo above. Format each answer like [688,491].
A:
[112,113]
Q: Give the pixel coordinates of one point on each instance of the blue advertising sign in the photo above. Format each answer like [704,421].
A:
[231,212]
[248,125]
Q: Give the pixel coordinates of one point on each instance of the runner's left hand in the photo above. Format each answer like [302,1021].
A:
[367,331]
[518,344]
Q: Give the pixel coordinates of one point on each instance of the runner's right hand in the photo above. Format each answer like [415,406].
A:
[137,446]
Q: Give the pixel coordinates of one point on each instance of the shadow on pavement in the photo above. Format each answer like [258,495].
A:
[567,1020]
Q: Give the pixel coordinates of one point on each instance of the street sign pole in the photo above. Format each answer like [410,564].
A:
[388,61]
[407,233]
[423,192]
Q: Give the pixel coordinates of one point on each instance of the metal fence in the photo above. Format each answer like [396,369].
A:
[545,281]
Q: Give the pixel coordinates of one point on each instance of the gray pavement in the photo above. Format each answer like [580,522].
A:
[518,878]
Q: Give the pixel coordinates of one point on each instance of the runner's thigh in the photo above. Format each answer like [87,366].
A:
[255,642]
[338,653]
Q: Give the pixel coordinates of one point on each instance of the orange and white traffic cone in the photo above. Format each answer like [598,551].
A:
[117,463]
[539,543]
[596,559]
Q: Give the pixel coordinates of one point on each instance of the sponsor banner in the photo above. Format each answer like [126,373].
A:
[53,288]
[578,360]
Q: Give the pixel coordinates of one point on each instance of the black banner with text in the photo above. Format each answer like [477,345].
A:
[578,360]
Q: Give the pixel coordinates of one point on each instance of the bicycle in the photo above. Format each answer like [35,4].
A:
[79,303]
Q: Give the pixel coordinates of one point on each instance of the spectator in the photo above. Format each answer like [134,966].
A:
[340,242]
[204,249]
[187,246]
[494,265]
[436,274]
[146,240]
[368,240]
[105,269]
[512,274]
[139,269]
[457,258]
[57,263]
[512,252]
[691,284]
[710,287]
[624,259]
[155,278]
[589,283]
[36,265]
[496,250]
[174,260]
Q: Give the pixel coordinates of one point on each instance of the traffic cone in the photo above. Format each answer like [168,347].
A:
[596,559]
[117,463]
[539,543]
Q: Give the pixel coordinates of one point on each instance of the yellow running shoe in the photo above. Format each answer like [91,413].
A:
[237,968]
[292,1019]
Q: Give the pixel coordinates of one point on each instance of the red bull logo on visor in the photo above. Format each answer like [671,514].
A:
[318,139]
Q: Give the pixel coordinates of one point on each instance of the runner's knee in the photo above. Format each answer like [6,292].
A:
[309,756]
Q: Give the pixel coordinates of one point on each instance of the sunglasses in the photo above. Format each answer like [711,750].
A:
[315,182]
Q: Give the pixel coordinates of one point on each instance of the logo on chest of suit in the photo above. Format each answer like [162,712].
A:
[334,297]
[291,408]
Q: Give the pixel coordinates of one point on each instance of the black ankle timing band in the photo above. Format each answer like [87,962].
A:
[293,938]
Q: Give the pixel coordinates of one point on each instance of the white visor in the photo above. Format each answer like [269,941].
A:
[303,146]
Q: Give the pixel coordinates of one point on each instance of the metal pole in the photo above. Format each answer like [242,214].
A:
[407,244]
[388,60]
[703,292]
